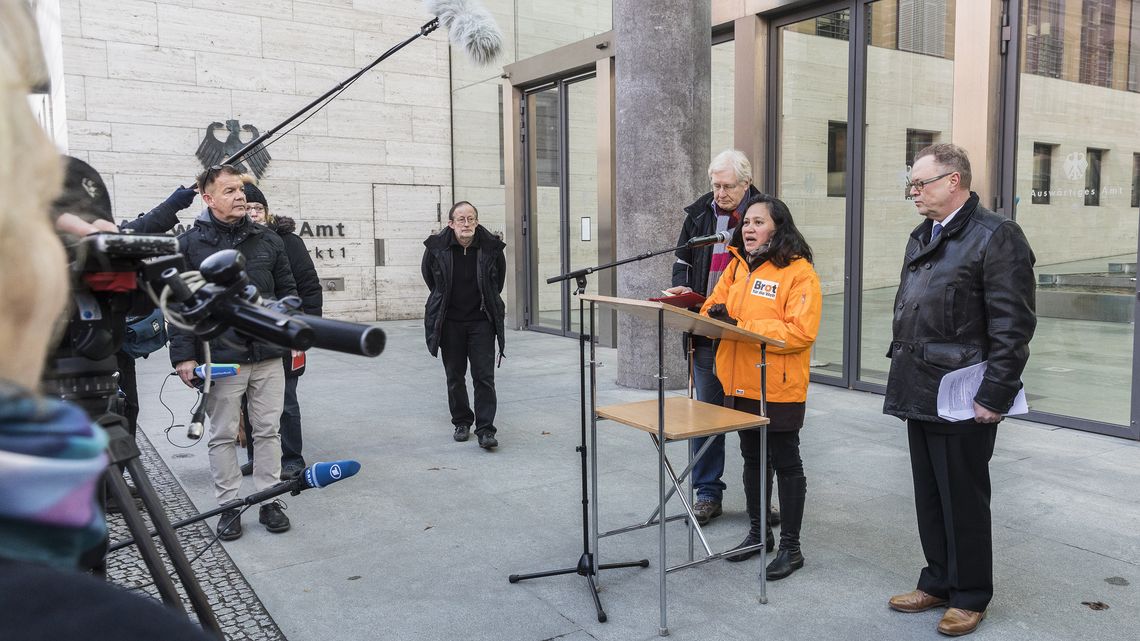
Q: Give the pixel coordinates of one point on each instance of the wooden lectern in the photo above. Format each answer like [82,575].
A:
[675,418]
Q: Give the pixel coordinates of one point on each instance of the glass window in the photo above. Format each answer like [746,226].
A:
[1097,26]
[837,159]
[922,26]
[546,138]
[1044,37]
[1073,134]
[811,161]
[1134,48]
[1092,177]
[1135,180]
[723,94]
[1042,173]
[834,25]
[909,102]
[916,141]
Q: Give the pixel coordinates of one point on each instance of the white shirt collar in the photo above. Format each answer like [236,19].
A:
[946,221]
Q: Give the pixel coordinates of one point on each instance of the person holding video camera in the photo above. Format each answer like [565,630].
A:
[225,225]
[84,208]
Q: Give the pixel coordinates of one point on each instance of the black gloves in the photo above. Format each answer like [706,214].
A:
[182,198]
[720,313]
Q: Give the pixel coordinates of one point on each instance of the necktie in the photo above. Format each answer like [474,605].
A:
[936,231]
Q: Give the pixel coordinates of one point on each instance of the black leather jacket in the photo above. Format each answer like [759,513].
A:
[962,299]
[436,268]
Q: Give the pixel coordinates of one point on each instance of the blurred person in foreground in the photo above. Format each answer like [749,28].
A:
[770,288]
[51,453]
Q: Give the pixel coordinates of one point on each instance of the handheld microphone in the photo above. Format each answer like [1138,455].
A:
[701,241]
[195,429]
[470,27]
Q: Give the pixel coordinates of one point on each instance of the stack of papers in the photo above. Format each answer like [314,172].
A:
[957,390]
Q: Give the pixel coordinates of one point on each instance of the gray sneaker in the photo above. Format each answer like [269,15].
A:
[706,510]
[462,432]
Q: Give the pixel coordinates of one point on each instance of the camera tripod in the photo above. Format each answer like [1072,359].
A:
[94,387]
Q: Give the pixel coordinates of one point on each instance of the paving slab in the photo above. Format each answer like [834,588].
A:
[420,543]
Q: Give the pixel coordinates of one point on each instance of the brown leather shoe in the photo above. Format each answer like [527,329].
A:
[915,601]
[957,622]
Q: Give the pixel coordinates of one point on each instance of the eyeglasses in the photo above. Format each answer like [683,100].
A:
[918,185]
[466,220]
[724,188]
[256,207]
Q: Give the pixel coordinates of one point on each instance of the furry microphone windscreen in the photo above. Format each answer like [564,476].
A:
[470,27]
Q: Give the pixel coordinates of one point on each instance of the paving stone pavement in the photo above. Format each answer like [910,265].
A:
[240,612]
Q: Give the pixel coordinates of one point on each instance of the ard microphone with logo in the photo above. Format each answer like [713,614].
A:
[324,474]
[316,475]
[701,241]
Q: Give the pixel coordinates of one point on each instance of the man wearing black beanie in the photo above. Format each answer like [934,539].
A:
[312,301]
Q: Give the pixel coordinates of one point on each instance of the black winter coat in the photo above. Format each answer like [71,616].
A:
[267,267]
[436,269]
[962,299]
[692,266]
[301,263]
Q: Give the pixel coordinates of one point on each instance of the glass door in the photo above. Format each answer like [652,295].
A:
[908,104]
[562,195]
[811,167]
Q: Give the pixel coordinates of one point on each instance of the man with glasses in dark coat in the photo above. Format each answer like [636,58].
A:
[966,295]
[465,269]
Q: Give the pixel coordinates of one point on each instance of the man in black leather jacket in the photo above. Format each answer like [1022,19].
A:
[966,295]
[225,225]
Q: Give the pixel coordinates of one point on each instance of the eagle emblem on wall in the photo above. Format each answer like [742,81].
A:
[214,150]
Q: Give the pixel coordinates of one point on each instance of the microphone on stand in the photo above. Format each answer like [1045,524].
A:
[316,475]
[470,27]
[701,241]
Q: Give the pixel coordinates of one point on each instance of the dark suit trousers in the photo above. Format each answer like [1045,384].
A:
[950,465]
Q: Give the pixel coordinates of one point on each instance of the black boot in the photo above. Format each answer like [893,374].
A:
[793,492]
[752,497]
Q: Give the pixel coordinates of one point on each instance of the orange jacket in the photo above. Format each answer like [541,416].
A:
[784,304]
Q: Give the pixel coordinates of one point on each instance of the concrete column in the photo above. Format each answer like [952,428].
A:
[663,59]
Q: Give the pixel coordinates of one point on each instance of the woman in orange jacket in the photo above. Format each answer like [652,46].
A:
[770,288]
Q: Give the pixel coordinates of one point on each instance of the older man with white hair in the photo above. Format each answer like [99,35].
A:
[697,270]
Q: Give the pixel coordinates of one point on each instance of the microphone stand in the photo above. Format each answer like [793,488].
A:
[294,486]
[587,565]
[426,29]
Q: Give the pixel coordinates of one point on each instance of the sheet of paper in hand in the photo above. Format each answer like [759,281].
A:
[956,393]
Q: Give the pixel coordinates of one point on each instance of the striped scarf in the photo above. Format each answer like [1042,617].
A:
[725,220]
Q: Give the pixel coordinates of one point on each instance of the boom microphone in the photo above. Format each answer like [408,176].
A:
[701,241]
[470,27]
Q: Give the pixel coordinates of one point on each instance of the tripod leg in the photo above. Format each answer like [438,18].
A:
[597,601]
[178,559]
[147,549]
